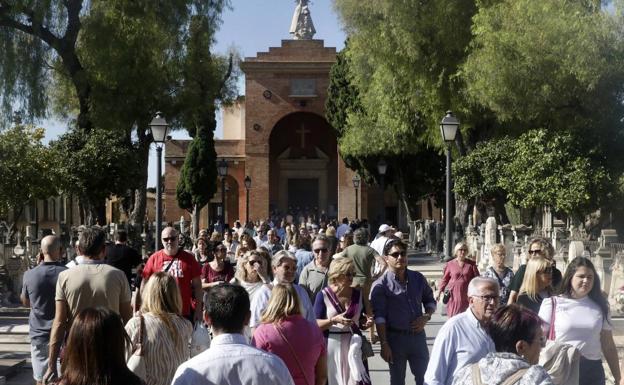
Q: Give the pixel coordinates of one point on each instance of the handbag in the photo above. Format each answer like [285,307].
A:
[367,347]
[560,360]
[293,353]
[136,362]
[447,296]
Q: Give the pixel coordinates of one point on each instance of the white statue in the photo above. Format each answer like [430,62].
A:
[301,26]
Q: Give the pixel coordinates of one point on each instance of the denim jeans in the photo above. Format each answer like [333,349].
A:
[406,348]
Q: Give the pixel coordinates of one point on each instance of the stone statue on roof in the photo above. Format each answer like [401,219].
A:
[301,26]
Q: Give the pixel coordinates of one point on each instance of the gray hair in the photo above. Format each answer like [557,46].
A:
[280,255]
[322,238]
[360,236]
[474,287]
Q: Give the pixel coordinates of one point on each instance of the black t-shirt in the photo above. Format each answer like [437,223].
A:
[123,257]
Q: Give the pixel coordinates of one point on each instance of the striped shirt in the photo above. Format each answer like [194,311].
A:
[163,355]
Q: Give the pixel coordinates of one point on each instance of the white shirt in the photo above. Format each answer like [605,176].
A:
[261,300]
[461,341]
[578,322]
[379,243]
[75,262]
[230,360]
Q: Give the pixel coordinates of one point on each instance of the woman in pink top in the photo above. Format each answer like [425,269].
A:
[457,274]
[287,334]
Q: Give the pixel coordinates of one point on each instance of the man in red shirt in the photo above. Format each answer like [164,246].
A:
[182,266]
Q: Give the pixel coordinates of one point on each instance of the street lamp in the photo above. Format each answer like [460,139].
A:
[356,186]
[158,129]
[222,169]
[247,187]
[448,127]
[382,167]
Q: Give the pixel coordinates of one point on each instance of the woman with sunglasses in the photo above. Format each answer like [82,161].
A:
[251,272]
[537,247]
[457,274]
[537,284]
[518,338]
[581,319]
[338,308]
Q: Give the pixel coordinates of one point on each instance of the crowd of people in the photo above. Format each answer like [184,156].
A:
[290,304]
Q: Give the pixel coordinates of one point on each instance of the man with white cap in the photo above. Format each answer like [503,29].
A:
[379,243]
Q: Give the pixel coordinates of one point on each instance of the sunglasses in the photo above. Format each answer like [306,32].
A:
[536,251]
[221,249]
[323,250]
[350,275]
[253,262]
[170,239]
[398,254]
[547,270]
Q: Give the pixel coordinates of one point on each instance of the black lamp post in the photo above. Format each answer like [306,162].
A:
[247,187]
[158,128]
[382,167]
[222,169]
[448,127]
[356,186]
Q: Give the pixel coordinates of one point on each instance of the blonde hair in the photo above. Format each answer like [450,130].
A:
[338,267]
[499,247]
[459,246]
[530,283]
[161,297]
[284,302]
[331,231]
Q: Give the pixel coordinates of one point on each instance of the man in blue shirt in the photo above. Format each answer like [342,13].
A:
[39,287]
[398,298]
[463,339]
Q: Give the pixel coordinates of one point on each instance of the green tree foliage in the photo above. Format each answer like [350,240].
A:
[534,170]
[110,65]
[416,173]
[505,68]
[80,160]
[26,168]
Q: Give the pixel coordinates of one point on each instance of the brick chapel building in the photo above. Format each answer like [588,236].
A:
[278,136]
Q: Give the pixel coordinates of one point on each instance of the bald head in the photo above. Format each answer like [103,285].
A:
[51,248]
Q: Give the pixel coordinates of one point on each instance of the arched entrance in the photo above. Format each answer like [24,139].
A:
[303,161]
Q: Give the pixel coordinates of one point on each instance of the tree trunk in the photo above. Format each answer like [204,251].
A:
[137,217]
[195,222]
[400,188]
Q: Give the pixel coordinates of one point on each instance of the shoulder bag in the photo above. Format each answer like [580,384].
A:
[476,376]
[136,362]
[294,353]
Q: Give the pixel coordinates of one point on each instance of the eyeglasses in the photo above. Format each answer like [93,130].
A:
[488,298]
[323,250]
[398,254]
[170,239]
[536,251]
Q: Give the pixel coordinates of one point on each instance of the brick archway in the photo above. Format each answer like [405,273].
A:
[303,161]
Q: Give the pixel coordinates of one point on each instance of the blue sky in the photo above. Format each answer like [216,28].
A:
[251,26]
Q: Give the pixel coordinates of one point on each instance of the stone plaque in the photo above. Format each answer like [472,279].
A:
[303,87]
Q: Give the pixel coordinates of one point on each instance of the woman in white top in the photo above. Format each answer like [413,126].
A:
[166,333]
[251,272]
[582,320]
